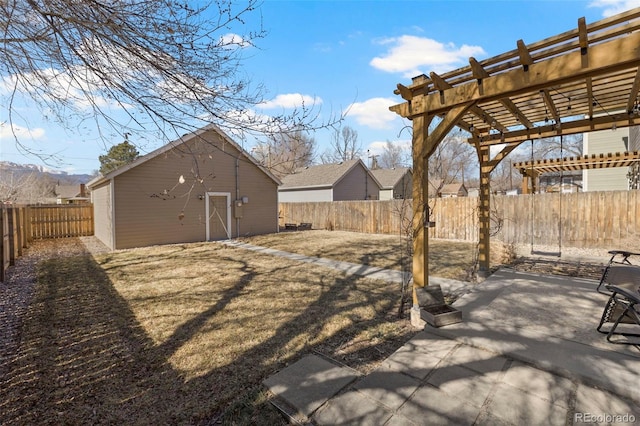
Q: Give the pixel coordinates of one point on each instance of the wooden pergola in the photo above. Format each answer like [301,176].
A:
[531,170]
[582,80]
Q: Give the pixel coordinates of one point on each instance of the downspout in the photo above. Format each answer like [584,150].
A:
[112,197]
[237,195]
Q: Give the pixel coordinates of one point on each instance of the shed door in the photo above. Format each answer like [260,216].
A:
[219,219]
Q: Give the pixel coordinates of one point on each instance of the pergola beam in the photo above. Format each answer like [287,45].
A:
[586,162]
[614,55]
[633,94]
[605,122]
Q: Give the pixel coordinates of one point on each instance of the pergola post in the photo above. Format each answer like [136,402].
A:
[420,268]
[484,214]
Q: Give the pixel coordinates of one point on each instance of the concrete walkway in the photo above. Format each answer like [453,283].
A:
[448,286]
[526,353]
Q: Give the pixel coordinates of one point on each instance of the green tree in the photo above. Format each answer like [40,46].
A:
[118,156]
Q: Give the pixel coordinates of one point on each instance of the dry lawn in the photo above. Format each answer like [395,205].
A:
[447,259]
[185,334]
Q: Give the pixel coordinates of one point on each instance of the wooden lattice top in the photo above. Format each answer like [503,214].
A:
[581,80]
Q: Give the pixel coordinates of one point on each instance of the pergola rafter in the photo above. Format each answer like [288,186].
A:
[582,80]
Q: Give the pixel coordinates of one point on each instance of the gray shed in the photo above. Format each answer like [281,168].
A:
[201,187]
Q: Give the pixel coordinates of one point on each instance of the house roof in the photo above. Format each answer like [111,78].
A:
[68,191]
[388,178]
[437,186]
[174,144]
[322,175]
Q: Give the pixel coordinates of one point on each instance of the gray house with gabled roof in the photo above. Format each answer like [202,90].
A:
[200,187]
[396,183]
[348,180]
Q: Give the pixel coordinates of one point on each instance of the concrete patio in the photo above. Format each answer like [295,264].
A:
[527,352]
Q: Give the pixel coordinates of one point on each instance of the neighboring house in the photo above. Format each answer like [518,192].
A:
[566,181]
[438,189]
[201,187]
[396,183]
[348,180]
[72,194]
[609,141]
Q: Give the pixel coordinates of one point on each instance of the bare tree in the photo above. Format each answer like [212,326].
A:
[25,188]
[556,147]
[393,155]
[452,160]
[283,153]
[169,65]
[344,146]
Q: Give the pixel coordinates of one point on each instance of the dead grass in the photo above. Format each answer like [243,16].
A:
[185,334]
[447,259]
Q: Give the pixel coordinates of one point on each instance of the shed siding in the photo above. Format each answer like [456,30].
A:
[102,214]
[606,141]
[152,207]
[306,195]
[356,185]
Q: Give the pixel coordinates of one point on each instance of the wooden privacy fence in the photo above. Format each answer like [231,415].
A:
[587,219]
[60,221]
[23,224]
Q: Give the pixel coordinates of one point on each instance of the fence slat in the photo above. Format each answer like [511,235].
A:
[587,219]
[60,221]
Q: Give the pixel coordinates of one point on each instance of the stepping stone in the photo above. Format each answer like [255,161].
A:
[309,383]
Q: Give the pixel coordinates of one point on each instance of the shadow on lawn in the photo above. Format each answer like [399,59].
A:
[84,358]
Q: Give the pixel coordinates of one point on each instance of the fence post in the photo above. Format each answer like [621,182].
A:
[12,231]
[4,246]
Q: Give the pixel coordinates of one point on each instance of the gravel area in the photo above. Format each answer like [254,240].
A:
[18,287]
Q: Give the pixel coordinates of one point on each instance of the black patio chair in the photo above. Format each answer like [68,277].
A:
[618,257]
[623,307]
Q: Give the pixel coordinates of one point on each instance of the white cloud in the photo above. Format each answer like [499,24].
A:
[291,100]
[413,55]
[60,87]
[374,112]
[10,131]
[232,39]
[613,7]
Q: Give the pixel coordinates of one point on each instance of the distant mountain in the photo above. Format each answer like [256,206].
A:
[56,176]
[31,184]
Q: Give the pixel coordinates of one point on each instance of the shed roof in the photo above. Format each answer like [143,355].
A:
[388,178]
[175,144]
[322,175]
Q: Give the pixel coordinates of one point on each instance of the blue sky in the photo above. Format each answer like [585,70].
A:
[345,55]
